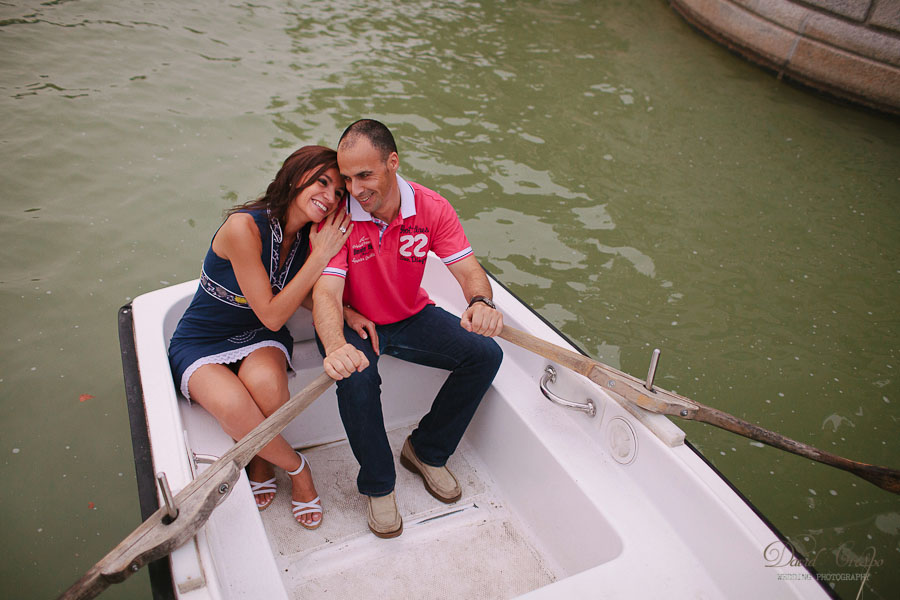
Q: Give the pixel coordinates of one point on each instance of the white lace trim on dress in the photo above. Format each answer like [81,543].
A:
[228,357]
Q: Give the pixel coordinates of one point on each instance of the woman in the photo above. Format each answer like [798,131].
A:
[231,350]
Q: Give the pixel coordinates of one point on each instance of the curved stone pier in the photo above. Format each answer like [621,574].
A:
[847,48]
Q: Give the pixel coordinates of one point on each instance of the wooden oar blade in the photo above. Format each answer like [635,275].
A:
[884,477]
[155,537]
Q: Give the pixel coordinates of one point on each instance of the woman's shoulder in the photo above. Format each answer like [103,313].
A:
[239,229]
[241,222]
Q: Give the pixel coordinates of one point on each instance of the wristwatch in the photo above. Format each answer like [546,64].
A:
[484,299]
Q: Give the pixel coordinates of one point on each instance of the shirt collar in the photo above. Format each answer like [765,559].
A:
[407,203]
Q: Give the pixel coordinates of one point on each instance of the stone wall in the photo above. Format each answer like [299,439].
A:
[847,48]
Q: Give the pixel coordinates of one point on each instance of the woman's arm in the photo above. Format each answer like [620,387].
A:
[238,241]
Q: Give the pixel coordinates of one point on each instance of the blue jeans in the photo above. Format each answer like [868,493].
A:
[432,337]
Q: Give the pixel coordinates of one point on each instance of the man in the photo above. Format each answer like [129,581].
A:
[377,275]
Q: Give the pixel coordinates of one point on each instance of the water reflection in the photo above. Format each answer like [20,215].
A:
[517,245]
[516,178]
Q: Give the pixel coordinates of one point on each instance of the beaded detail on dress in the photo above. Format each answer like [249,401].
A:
[277,278]
[220,292]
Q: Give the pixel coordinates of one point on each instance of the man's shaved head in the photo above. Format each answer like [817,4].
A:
[377,133]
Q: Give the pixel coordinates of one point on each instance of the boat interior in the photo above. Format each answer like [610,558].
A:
[482,546]
[556,503]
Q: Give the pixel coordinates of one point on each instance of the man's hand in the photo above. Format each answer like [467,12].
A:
[362,326]
[344,361]
[482,319]
[478,318]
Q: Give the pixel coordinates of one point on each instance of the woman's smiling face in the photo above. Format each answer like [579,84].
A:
[322,197]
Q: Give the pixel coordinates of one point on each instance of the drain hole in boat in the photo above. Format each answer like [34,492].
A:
[621,440]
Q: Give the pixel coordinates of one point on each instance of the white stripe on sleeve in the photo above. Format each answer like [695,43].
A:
[449,260]
[335,271]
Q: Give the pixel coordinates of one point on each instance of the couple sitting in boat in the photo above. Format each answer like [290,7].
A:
[357,260]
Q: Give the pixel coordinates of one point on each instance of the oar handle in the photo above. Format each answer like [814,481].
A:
[668,403]
[571,360]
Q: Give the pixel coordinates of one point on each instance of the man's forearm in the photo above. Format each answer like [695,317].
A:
[476,284]
[328,317]
[472,279]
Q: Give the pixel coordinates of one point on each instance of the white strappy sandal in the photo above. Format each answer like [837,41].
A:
[265,487]
[305,508]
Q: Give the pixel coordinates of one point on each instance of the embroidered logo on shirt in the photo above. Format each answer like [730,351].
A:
[362,250]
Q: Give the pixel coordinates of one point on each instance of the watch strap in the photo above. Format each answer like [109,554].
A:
[483,299]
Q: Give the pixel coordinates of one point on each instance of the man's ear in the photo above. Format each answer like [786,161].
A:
[393,162]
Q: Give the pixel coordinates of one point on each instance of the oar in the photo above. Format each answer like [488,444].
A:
[159,535]
[661,401]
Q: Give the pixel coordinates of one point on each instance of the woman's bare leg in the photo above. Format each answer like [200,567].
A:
[264,375]
[217,389]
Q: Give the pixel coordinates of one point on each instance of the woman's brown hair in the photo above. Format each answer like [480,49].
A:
[289,182]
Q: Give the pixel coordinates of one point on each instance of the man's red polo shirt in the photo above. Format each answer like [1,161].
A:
[384,271]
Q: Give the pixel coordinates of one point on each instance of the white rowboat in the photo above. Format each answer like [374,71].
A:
[556,503]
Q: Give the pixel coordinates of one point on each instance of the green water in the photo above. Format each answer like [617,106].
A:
[634,182]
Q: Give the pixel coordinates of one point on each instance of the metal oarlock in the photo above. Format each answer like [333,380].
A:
[171,509]
[651,374]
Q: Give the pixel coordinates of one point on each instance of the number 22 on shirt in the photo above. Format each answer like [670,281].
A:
[413,245]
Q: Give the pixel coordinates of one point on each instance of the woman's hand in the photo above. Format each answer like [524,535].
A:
[330,238]
[362,326]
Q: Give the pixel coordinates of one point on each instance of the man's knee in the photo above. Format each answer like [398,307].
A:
[360,385]
[487,353]
[359,402]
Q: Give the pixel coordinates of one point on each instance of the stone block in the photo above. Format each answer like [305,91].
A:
[741,29]
[870,43]
[784,13]
[847,59]
[844,74]
[852,9]
[886,15]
